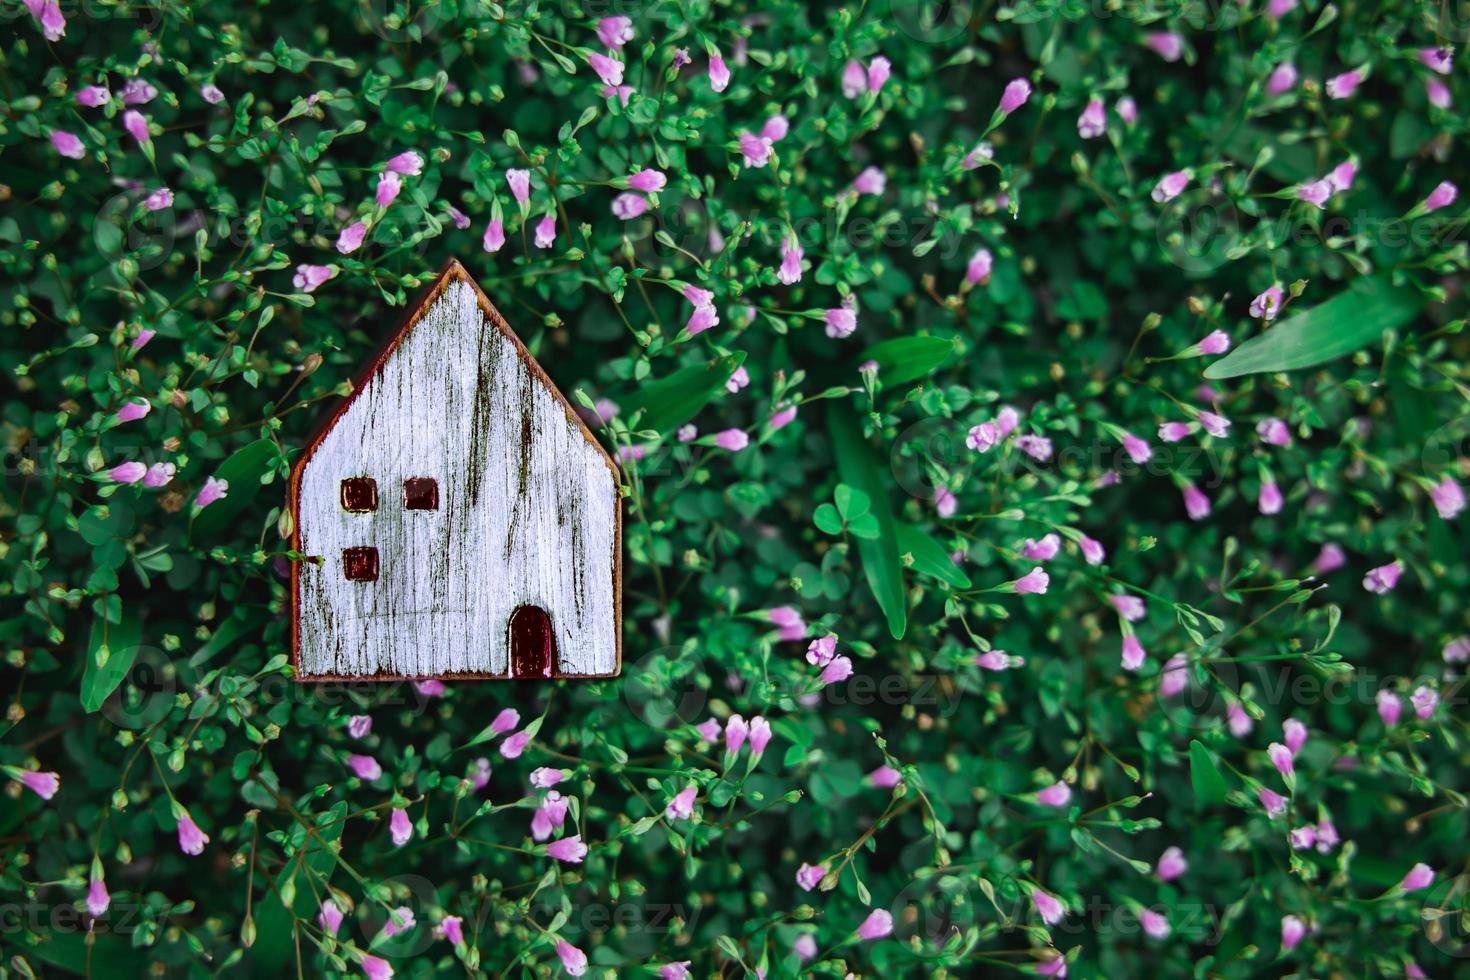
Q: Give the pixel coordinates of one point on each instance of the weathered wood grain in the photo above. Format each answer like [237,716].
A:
[528,512]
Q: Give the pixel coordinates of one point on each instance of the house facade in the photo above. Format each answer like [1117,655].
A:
[458,518]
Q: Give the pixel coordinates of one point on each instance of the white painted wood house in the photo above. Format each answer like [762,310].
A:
[458,517]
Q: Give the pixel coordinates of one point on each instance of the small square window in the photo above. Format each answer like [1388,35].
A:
[360,494]
[360,564]
[420,493]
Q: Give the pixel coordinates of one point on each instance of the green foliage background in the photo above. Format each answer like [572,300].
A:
[147,648]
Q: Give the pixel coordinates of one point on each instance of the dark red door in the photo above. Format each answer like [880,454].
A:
[532,644]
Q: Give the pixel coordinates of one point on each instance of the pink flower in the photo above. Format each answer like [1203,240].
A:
[614,32]
[309,278]
[1137,449]
[408,163]
[885,777]
[375,967]
[573,960]
[781,418]
[1343,86]
[211,93]
[1272,802]
[1058,794]
[1171,186]
[1280,757]
[568,850]
[1171,864]
[504,721]
[399,828]
[358,726]
[1037,447]
[1277,9]
[158,475]
[519,182]
[1166,44]
[719,73]
[973,159]
[791,256]
[480,776]
[760,735]
[1294,734]
[191,838]
[515,744]
[1457,650]
[67,144]
[1174,677]
[775,128]
[1438,93]
[1092,550]
[736,731]
[136,124]
[1329,559]
[1127,109]
[98,900]
[841,322]
[1054,967]
[740,379]
[1196,504]
[878,71]
[132,411]
[1154,923]
[1315,193]
[819,652]
[756,150]
[1437,59]
[1174,431]
[681,807]
[788,621]
[674,971]
[1270,499]
[1283,79]
[48,15]
[93,96]
[808,876]
[681,58]
[878,924]
[732,440]
[1130,607]
[1006,420]
[129,472]
[805,947]
[648,180]
[1292,931]
[839,670]
[1327,837]
[400,920]
[451,927]
[544,778]
[1216,342]
[996,660]
[1033,582]
[854,80]
[1273,432]
[494,238]
[1133,652]
[389,184]
[978,269]
[626,206]
[870,181]
[983,437]
[1341,177]
[610,70]
[1390,707]
[1094,120]
[1052,911]
[136,91]
[1043,550]
[546,231]
[143,337]
[43,784]
[945,503]
[1383,578]
[552,813]
[1424,700]
[159,199]
[1017,91]
[1443,195]
[1420,876]
[365,766]
[350,240]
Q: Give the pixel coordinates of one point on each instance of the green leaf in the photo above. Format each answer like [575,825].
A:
[122,650]
[827,518]
[243,470]
[1209,785]
[929,556]
[904,359]
[864,526]
[1352,319]
[881,565]
[670,402]
[850,501]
